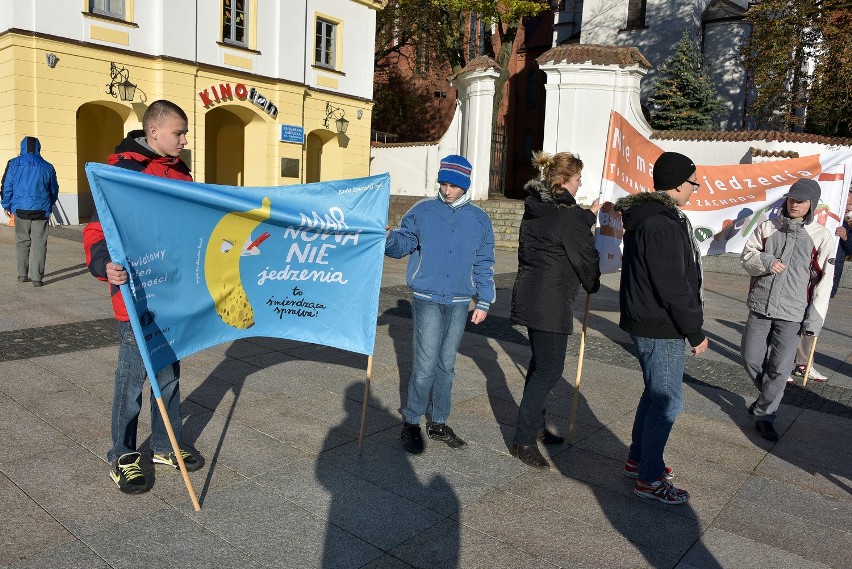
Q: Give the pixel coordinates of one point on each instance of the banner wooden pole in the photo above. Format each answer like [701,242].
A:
[364,405]
[576,396]
[176,450]
[810,362]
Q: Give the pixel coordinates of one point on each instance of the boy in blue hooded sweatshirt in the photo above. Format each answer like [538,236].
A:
[450,243]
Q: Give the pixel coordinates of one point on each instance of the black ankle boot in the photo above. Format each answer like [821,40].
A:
[548,438]
[530,455]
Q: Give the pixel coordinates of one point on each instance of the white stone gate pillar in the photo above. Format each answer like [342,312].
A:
[584,83]
[475,84]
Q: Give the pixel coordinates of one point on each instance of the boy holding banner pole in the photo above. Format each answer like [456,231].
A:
[450,243]
[155,151]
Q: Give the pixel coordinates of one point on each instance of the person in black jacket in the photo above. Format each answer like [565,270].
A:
[661,304]
[556,255]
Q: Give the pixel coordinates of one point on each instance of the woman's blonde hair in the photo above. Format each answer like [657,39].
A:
[556,169]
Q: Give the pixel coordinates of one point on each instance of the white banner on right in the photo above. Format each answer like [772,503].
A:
[732,200]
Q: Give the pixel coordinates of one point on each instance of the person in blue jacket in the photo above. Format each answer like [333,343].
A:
[29,190]
[450,244]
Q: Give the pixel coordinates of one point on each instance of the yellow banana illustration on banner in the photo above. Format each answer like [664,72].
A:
[222,264]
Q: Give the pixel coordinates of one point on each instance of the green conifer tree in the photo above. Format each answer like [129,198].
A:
[684,97]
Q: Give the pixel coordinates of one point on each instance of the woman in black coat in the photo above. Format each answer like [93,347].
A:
[556,255]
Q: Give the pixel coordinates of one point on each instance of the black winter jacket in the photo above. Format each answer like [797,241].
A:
[556,254]
[660,273]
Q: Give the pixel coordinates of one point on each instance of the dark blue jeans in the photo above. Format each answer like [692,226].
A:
[438,330]
[130,377]
[543,372]
[662,362]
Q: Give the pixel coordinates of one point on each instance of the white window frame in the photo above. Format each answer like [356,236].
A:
[233,29]
[325,50]
[111,8]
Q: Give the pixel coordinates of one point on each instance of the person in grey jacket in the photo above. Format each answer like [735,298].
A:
[29,189]
[791,262]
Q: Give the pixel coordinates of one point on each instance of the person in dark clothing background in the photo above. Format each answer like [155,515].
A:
[29,189]
[661,304]
[556,255]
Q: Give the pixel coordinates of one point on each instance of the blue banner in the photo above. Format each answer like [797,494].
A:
[209,264]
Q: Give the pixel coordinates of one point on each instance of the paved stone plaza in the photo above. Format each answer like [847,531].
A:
[284,486]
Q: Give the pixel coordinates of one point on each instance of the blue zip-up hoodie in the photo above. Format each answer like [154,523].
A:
[451,252]
[29,185]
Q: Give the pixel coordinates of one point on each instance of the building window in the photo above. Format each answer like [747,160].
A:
[421,58]
[234,22]
[112,8]
[528,146]
[636,14]
[532,88]
[326,43]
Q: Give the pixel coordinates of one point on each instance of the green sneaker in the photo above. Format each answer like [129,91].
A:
[191,462]
[127,475]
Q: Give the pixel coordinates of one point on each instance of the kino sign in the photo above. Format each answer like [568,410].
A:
[225,92]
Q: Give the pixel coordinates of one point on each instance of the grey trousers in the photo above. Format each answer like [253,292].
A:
[31,243]
[768,349]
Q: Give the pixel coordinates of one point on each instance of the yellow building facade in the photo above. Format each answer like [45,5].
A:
[246,128]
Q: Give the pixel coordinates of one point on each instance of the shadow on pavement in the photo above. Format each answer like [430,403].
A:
[390,468]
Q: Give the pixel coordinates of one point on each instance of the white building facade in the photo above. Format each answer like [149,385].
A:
[655,26]
[277,92]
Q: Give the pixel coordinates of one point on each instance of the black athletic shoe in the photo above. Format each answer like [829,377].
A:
[412,438]
[190,461]
[766,430]
[441,432]
[548,438]
[23,279]
[127,475]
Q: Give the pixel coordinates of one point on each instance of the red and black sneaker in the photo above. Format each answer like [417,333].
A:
[662,490]
[631,470]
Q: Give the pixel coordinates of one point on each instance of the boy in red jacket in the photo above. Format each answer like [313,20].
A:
[153,150]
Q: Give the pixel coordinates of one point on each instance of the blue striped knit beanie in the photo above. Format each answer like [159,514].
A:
[455,170]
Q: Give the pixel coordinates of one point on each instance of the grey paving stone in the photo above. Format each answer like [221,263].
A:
[805,538]
[808,477]
[23,434]
[386,561]
[75,488]
[423,479]
[73,555]
[278,533]
[552,536]
[448,544]
[164,539]
[25,526]
[719,548]
[374,514]
[793,501]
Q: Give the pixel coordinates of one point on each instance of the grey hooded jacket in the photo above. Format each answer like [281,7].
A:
[800,292]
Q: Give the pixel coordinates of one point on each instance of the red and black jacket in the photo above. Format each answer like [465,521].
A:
[133,154]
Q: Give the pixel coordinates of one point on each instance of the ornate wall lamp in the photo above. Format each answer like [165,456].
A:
[338,114]
[119,83]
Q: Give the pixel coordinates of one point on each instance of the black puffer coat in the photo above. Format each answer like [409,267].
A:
[556,254]
[660,272]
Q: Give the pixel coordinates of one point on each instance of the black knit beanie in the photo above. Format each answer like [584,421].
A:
[671,170]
